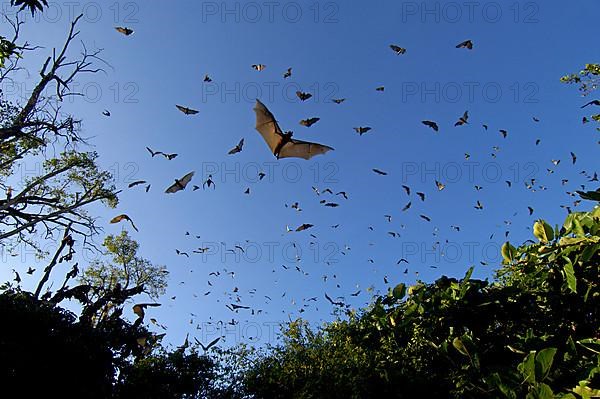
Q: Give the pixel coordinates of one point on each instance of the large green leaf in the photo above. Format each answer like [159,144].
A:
[543,231]
[508,252]
[399,291]
[527,368]
[543,362]
[570,276]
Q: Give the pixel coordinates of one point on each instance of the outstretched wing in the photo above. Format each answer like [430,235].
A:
[267,126]
[302,149]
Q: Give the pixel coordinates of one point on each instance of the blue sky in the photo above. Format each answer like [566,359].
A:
[336,50]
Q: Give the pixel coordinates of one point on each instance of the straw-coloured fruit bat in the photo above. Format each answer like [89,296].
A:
[186,110]
[237,148]
[282,144]
[122,217]
[139,308]
[258,67]
[431,124]
[303,96]
[463,119]
[287,73]
[180,184]
[362,130]
[338,100]
[397,49]
[309,122]
[466,44]
[123,30]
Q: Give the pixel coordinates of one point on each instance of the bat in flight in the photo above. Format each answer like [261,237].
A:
[309,122]
[186,110]
[466,44]
[122,217]
[282,144]
[431,124]
[259,67]
[180,184]
[139,308]
[397,49]
[237,148]
[123,30]
[287,73]
[210,345]
[463,119]
[303,96]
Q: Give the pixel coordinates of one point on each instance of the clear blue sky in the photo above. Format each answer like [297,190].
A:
[336,50]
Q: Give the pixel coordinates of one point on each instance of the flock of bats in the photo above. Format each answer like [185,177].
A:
[282,145]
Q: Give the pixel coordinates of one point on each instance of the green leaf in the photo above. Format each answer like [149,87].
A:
[543,362]
[527,368]
[540,391]
[508,252]
[543,231]
[459,346]
[399,291]
[570,276]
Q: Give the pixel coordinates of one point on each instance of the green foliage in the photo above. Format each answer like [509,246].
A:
[532,333]
[588,80]
[33,5]
[126,268]
[7,49]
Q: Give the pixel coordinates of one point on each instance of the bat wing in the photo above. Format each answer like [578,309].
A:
[186,179]
[302,149]
[267,126]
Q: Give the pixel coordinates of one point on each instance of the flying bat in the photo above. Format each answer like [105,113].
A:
[338,100]
[304,226]
[136,183]
[186,110]
[593,102]
[463,119]
[123,30]
[237,148]
[139,308]
[282,144]
[362,130]
[287,73]
[180,184]
[207,79]
[466,44]
[258,67]
[106,112]
[303,96]
[431,124]
[397,49]
[380,172]
[309,122]
[380,88]
[210,345]
[122,217]
[440,185]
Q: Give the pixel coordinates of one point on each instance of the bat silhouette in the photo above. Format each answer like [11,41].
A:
[207,79]
[397,49]
[282,144]
[380,88]
[237,148]
[305,226]
[362,130]
[593,102]
[463,119]
[342,304]
[338,100]
[380,172]
[466,44]
[139,308]
[210,345]
[123,30]
[136,183]
[186,110]
[431,124]
[440,185]
[303,96]
[258,67]
[106,112]
[287,73]
[122,217]
[309,122]
[180,184]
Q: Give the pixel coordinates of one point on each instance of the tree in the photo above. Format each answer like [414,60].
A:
[588,80]
[125,270]
[33,132]
[531,333]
